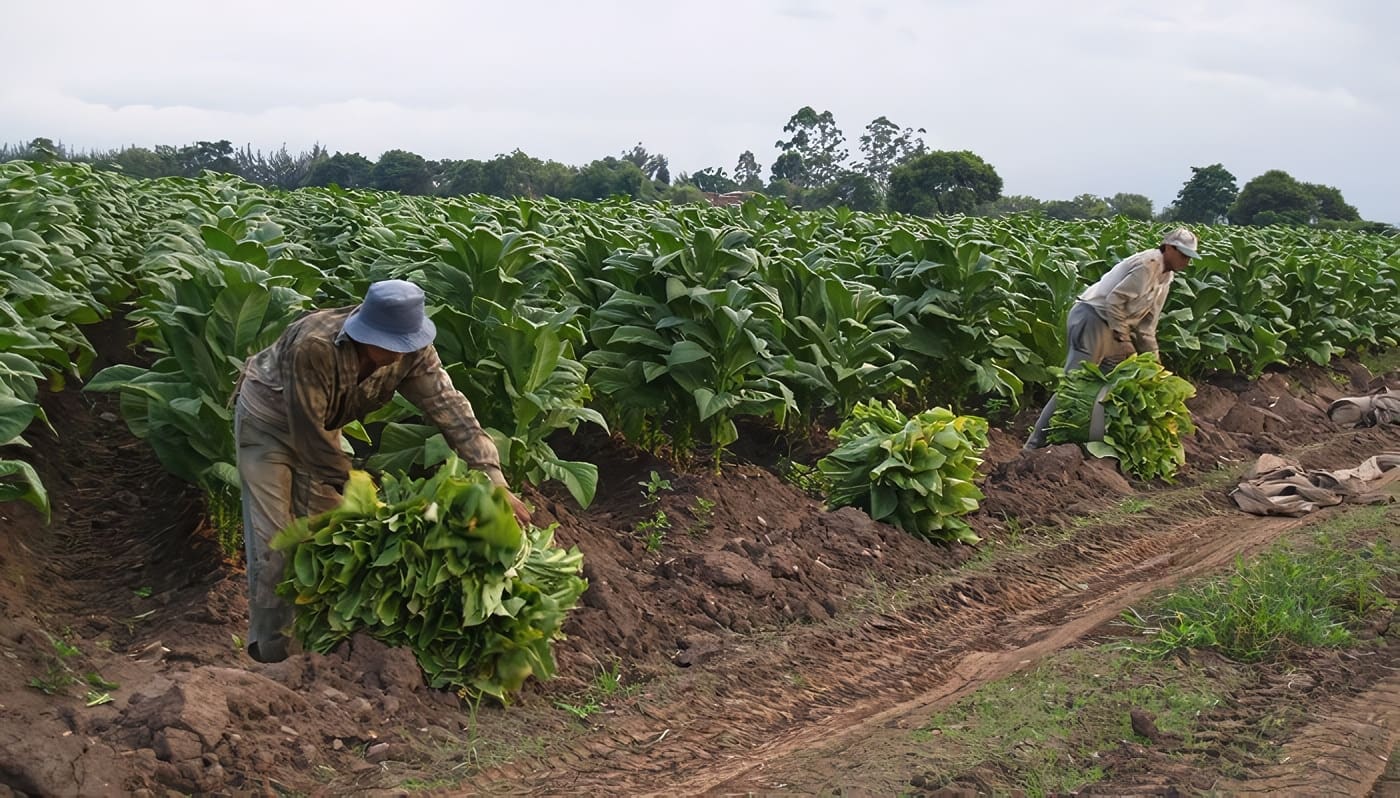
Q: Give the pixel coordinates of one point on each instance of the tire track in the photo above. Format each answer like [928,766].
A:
[1343,752]
[975,628]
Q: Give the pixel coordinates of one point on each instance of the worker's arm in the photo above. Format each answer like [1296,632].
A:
[429,388]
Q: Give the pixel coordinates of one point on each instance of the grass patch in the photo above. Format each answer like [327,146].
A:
[1382,362]
[607,684]
[1134,505]
[1292,596]
[1045,729]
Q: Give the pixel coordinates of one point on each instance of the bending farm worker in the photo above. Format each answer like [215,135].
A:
[1116,317]
[329,368]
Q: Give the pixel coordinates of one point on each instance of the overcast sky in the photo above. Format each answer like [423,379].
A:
[1063,98]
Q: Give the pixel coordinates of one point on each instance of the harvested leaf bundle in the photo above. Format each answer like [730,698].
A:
[1144,415]
[439,565]
[917,473]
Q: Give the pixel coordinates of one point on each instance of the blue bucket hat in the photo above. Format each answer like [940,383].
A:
[392,318]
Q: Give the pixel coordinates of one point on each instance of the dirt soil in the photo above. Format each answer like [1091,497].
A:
[759,630]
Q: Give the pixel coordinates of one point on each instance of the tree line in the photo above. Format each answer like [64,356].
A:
[893,170]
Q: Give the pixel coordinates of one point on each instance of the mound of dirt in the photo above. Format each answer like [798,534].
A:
[126,587]
[742,551]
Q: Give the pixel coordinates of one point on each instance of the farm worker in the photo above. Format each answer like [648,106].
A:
[1116,317]
[327,369]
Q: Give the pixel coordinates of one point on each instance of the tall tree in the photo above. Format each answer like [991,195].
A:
[141,162]
[520,175]
[942,182]
[852,189]
[215,156]
[280,169]
[1015,203]
[1084,206]
[608,177]
[885,146]
[654,165]
[818,142]
[789,168]
[714,179]
[1274,197]
[1133,206]
[1206,197]
[402,171]
[747,173]
[1329,205]
[347,170]
[463,177]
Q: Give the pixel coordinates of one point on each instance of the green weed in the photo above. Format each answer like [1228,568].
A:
[1286,598]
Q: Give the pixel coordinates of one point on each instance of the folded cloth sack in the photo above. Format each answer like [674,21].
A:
[1275,486]
[1382,407]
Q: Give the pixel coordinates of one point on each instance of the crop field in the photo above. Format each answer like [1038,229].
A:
[693,400]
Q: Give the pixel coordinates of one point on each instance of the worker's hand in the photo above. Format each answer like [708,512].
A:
[1122,352]
[522,513]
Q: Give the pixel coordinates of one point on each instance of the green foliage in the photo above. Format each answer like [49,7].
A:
[885,146]
[653,529]
[63,260]
[652,487]
[1287,598]
[942,182]
[919,473]
[1084,206]
[685,337]
[402,171]
[672,322]
[713,179]
[961,310]
[60,674]
[1248,304]
[1275,197]
[818,146]
[1133,206]
[1206,197]
[1329,204]
[608,177]
[213,296]
[507,350]
[1144,411]
[805,478]
[747,172]
[440,566]
[347,170]
[701,511]
[841,340]
[654,165]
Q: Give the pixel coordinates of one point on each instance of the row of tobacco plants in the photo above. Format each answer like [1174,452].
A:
[664,324]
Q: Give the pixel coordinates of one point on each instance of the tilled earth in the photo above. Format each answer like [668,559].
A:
[758,647]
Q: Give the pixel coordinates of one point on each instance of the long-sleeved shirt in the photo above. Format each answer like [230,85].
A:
[307,383]
[1130,298]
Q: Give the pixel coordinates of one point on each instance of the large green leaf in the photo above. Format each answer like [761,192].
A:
[27,488]
[15,416]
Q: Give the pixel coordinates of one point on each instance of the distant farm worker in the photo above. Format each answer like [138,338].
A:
[1116,317]
[329,368]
